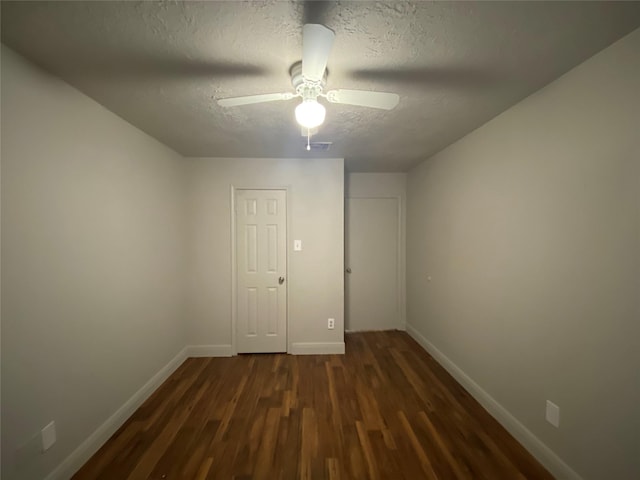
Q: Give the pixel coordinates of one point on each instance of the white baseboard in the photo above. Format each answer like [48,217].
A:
[209,351]
[558,468]
[86,449]
[317,348]
[401,328]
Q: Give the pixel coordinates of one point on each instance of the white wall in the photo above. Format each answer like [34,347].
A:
[530,230]
[385,185]
[315,279]
[92,264]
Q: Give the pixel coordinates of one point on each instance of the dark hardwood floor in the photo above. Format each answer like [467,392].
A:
[385,409]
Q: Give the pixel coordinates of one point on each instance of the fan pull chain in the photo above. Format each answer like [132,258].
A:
[308,139]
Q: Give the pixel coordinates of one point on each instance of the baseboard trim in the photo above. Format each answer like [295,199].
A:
[558,468]
[86,449]
[317,348]
[209,351]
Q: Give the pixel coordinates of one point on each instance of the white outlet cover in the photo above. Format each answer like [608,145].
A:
[553,414]
[331,323]
[48,435]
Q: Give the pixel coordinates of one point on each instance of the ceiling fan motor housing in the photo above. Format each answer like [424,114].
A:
[307,89]
[309,78]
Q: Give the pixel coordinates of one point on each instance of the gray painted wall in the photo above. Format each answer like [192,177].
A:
[92,264]
[530,230]
[316,216]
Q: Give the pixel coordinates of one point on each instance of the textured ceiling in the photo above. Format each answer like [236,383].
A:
[455,65]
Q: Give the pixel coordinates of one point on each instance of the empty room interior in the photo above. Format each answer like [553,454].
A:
[320,240]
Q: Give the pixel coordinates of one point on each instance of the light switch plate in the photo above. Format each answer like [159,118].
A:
[553,414]
[297,245]
[48,435]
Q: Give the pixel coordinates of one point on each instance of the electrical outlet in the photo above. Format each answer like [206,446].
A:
[331,323]
[48,436]
[553,414]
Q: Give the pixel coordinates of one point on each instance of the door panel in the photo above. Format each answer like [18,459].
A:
[261,240]
[372,293]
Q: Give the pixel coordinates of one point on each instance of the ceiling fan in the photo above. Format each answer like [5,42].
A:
[308,78]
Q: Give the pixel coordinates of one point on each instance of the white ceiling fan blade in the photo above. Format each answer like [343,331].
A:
[317,41]
[249,99]
[364,98]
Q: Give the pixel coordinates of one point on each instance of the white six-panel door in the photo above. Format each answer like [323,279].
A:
[261,267]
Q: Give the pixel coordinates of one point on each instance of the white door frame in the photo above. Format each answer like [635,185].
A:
[234,290]
[400,253]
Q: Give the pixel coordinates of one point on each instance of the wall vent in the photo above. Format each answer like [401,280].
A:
[320,146]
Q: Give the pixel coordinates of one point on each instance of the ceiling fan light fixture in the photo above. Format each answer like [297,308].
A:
[308,78]
[310,113]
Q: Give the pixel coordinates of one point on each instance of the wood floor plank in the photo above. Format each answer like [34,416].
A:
[158,447]
[309,444]
[333,469]
[204,469]
[456,467]
[425,463]
[268,445]
[365,445]
[386,409]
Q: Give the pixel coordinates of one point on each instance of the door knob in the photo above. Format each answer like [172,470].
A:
[348,270]
[281,280]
